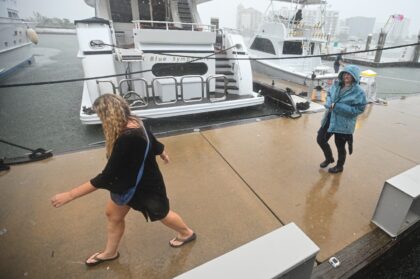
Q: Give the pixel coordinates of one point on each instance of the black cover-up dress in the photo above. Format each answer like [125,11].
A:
[121,170]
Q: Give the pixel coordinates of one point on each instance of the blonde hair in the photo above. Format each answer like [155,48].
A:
[114,113]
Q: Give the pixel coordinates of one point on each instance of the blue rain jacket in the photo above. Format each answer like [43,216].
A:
[348,106]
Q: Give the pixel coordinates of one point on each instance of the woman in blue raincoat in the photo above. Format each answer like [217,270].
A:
[345,101]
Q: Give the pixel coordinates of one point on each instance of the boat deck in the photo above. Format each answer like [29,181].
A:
[231,184]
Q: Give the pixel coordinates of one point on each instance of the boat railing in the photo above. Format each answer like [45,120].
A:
[139,100]
[306,30]
[155,99]
[171,25]
[182,88]
[217,99]
[301,28]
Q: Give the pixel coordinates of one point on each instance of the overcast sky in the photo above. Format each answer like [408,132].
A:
[226,9]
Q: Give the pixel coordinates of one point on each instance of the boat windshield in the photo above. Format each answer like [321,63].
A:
[264,45]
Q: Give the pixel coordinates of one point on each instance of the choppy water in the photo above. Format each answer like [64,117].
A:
[48,116]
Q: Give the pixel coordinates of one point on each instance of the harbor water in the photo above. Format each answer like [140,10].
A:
[47,117]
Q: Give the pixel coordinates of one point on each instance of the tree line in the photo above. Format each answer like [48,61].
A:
[48,22]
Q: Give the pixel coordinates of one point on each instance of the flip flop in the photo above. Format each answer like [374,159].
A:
[183,241]
[98,260]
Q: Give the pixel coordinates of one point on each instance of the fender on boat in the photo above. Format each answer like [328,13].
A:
[32,35]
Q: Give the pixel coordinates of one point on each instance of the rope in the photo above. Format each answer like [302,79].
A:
[100,77]
[400,79]
[196,59]
[305,56]
[397,93]
[16,145]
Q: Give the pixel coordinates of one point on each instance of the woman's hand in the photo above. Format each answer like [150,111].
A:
[61,199]
[164,157]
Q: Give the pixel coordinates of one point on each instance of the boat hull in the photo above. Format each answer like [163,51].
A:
[273,71]
[12,58]
[175,110]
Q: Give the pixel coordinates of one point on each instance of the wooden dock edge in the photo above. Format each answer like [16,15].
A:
[362,255]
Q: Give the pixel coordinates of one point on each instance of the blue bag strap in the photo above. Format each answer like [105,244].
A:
[124,198]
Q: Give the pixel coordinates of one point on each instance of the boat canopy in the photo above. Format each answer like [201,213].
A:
[303,2]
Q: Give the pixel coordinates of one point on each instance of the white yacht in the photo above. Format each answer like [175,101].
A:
[288,34]
[161,59]
[16,36]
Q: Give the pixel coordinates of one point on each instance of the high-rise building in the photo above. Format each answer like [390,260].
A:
[331,23]
[360,27]
[248,20]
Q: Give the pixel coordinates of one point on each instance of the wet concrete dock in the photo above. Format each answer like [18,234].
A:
[231,185]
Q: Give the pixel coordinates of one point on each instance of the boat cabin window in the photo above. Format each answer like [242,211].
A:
[290,47]
[121,10]
[12,14]
[144,10]
[263,45]
[296,48]
[179,69]
[159,10]
[154,10]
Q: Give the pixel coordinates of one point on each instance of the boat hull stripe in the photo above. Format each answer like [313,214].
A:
[97,52]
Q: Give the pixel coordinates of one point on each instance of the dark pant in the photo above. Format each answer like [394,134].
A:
[340,142]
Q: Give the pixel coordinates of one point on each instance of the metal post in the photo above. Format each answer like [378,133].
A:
[368,41]
[96,8]
[381,44]
[311,87]
[151,11]
[416,55]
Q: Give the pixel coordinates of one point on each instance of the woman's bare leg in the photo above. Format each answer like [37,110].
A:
[115,230]
[175,222]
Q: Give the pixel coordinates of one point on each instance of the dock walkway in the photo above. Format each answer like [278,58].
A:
[231,185]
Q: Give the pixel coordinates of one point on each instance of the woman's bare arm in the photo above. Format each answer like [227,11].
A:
[77,192]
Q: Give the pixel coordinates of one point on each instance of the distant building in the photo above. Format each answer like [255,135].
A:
[248,20]
[331,20]
[343,30]
[360,27]
[331,23]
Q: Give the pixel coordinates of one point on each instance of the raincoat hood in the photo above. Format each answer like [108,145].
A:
[352,70]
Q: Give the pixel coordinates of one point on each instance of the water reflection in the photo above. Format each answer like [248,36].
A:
[320,206]
[365,115]
[168,267]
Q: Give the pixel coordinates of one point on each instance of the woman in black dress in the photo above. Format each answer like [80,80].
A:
[131,175]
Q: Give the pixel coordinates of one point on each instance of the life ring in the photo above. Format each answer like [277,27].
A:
[32,35]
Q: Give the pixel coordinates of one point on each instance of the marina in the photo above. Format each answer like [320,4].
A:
[65,135]
[237,174]
[264,181]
